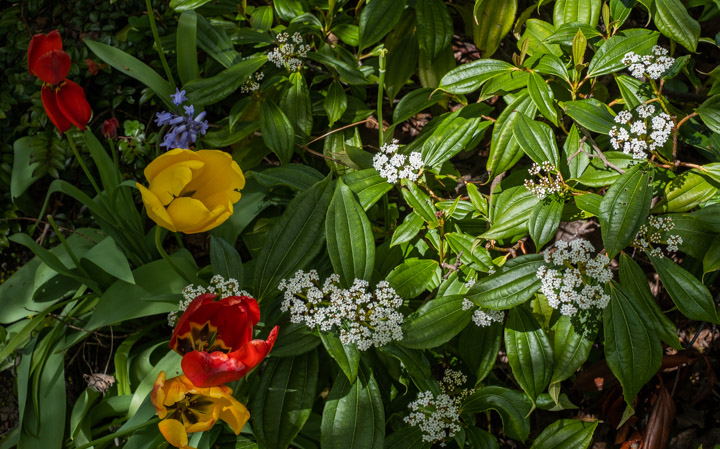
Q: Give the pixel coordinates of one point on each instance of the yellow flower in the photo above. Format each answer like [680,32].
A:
[192,191]
[187,408]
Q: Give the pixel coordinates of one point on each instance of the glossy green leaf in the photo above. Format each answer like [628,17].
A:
[402,60]
[566,434]
[410,278]
[368,185]
[225,260]
[294,240]
[414,102]
[584,11]
[108,257]
[543,97]
[353,417]
[296,176]
[471,76]
[134,68]
[570,349]
[449,138]
[408,229]
[711,260]
[377,19]
[478,347]
[609,56]
[598,175]
[687,292]
[493,20]
[544,220]
[625,208]
[187,5]
[350,240]
[215,42]
[512,218]
[296,104]
[537,33]
[709,112]
[410,437]
[434,26]
[335,102]
[416,365]
[633,351]
[294,339]
[504,149]
[529,352]
[633,90]
[420,202]
[186,47]
[206,91]
[673,21]
[277,130]
[591,114]
[686,191]
[577,160]
[347,356]
[472,254]
[283,400]
[512,284]
[435,323]
[536,139]
[480,439]
[512,405]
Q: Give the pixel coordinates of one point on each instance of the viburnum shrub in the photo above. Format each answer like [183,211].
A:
[369,224]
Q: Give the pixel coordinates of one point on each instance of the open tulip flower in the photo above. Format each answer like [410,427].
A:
[64,100]
[191,191]
[186,408]
[215,339]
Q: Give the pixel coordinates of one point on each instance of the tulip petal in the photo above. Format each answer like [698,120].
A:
[234,414]
[190,215]
[51,108]
[168,159]
[42,44]
[219,181]
[71,101]
[52,67]
[255,351]
[157,395]
[174,432]
[210,369]
[170,183]
[155,210]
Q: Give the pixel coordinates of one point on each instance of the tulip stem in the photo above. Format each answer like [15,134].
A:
[166,257]
[158,44]
[82,164]
[119,433]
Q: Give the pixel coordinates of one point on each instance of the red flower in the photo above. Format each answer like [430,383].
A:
[109,128]
[66,105]
[46,58]
[215,339]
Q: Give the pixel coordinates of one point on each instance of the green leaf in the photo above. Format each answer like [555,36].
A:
[673,20]
[512,405]
[598,175]
[537,33]
[410,437]
[609,56]
[569,11]
[187,5]
[215,42]
[474,255]
[504,149]
[414,102]
[225,260]
[512,284]
[591,114]
[449,138]
[625,208]
[410,278]
[353,417]
[186,47]
[633,90]
[620,10]
[686,191]
[511,219]
[536,139]
[294,339]
[471,76]
[711,260]
[377,19]
[408,229]
[288,9]
[277,130]
[633,351]
[134,68]
[350,240]
[108,257]
[529,352]
[478,347]
[635,282]
[543,97]
[566,434]
[709,112]
[284,398]
[434,26]
[687,292]
[435,323]
[420,202]
[335,102]
[22,167]
[544,220]
[206,91]
[368,185]
[347,356]
[570,349]
[493,19]
[416,365]
[294,240]
[296,104]
[481,439]
[296,176]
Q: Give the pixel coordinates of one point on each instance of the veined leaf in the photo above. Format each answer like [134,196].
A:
[512,284]
[471,76]
[277,131]
[512,405]
[674,21]
[566,434]
[435,323]
[609,56]
[434,26]
[536,139]
[377,19]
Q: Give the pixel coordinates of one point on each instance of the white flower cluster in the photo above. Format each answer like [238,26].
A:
[218,285]
[650,234]
[573,280]
[646,133]
[289,54]
[548,184]
[364,318]
[653,66]
[251,85]
[438,417]
[483,317]
[394,166]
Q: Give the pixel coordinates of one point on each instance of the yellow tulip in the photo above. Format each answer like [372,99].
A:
[191,191]
[185,408]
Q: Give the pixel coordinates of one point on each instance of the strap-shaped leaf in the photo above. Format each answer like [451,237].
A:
[434,26]
[205,91]
[186,47]
[543,97]
[225,260]
[377,19]
[566,434]
[435,323]
[673,20]
[277,130]
[609,56]
[470,77]
[504,149]
[544,220]
[512,405]
[512,284]
[493,20]
[296,104]
[536,139]
[624,208]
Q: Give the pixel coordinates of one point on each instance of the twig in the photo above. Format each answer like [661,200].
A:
[339,129]
[675,136]
[599,151]
[454,267]
[318,154]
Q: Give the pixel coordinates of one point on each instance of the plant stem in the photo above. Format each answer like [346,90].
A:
[119,433]
[161,52]
[382,52]
[161,250]
[82,163]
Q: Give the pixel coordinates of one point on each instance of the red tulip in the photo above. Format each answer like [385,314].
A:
[66,105]
[215,339]
[46,58]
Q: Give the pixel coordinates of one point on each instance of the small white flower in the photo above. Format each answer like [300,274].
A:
[393,166]
[653,66]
